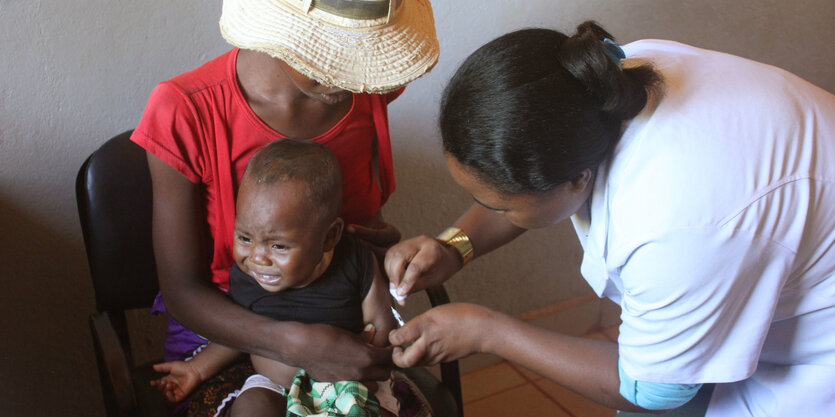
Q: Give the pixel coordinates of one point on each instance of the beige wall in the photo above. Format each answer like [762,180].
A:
[74,73]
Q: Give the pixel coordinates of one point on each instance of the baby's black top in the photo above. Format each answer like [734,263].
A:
[334,298]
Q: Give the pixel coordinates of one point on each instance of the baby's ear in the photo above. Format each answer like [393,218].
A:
[334,234]
[582,180]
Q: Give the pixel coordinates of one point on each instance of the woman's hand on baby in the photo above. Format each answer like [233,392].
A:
[442,334]
[181,380]
[329,353]
[419,263]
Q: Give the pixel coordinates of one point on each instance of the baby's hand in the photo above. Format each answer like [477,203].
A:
[181,380]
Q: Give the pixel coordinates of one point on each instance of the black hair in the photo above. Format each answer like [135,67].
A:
[534,108]
[302,160]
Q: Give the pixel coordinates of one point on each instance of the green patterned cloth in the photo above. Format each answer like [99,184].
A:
[307,397]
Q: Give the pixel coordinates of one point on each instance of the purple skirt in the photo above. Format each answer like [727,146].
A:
[180,342]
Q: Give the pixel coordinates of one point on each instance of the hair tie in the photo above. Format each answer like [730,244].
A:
[613,51]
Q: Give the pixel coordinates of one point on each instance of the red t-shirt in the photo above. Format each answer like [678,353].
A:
[200,124]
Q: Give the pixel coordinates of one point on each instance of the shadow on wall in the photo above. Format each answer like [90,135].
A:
[45,302]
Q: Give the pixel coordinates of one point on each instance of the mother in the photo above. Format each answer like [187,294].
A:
[700,186]
[298,69]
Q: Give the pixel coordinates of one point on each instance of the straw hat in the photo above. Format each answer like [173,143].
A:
[359,45]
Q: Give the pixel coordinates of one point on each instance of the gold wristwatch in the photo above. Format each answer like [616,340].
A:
[459,240]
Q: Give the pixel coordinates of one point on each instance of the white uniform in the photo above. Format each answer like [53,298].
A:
[713,227]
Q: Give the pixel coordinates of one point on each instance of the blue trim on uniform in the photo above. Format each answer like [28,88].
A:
[655,395]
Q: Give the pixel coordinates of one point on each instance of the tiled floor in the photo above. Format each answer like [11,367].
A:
[500,389]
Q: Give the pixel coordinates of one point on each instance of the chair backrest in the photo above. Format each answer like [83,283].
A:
[114,198]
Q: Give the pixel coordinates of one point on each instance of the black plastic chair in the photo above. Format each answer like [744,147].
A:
[113,193]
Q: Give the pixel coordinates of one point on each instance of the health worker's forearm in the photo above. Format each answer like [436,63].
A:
[586,366]
[487,229]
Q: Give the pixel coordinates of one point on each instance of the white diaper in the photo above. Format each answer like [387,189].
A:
[255,381]
[260,381]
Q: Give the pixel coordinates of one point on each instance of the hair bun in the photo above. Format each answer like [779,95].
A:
[621,93]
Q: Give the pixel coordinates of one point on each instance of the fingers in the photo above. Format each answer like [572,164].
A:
[400,298]
[162,383]
[407,334]
[418,265]
[164,367]
[411,260]
[169,386]
[338,355]
[417,353]
[441,334]
[382,364]
[168,389]
[369,332]
[381,356]
[175,395]
[410,348]
[414,271]
[380,371]
[397,358]
[395,263]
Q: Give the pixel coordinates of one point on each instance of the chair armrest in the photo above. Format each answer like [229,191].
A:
[450,372]
[437,295]
[114,371]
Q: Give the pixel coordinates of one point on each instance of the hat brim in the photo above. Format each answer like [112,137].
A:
[359,59]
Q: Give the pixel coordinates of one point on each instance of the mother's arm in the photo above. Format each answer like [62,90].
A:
[181,251]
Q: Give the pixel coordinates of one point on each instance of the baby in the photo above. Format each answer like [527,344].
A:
[293,264]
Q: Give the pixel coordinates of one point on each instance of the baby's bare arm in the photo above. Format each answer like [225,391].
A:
[376,308]
[184,376]
[211,360]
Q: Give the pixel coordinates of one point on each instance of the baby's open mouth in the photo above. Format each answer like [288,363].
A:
[266,279]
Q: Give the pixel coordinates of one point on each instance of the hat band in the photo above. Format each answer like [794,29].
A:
[356,9]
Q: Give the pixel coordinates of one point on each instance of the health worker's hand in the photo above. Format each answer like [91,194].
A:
[419,263]
[442,334]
